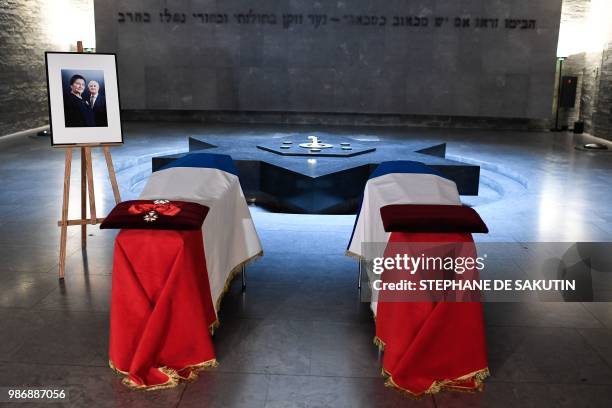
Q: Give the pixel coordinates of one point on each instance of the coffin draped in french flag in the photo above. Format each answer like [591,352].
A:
[397,182]
[179,247]
[230,238]
[429,345]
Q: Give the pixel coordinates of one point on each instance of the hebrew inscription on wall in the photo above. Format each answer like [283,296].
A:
[286,20]
[437,57]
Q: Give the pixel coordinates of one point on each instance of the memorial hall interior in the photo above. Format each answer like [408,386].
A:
[508,100]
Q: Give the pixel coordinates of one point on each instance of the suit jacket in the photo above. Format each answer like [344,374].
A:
[99,111]
[77,112]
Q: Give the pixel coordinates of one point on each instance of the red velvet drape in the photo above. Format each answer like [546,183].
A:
[161,309]
[429,346]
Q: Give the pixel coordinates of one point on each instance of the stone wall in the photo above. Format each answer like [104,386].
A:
[27,30]
[602,112]
[472,58]
[592,67]
[335,119]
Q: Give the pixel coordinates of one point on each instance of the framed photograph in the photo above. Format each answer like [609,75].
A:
[83,99]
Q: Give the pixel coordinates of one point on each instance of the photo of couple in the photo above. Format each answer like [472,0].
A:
[84,98]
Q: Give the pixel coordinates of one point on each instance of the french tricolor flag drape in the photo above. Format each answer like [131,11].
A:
[428,346]
[230,238]
[168,284]
[397,182]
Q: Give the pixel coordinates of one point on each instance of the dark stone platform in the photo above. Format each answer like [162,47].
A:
[321,185]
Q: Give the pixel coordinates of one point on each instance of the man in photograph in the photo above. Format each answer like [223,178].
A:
[97,103]
[77,112]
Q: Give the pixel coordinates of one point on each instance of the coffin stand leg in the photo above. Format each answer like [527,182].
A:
[360,273]
[243,273]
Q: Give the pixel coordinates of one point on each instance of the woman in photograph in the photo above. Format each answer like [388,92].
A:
[77,112]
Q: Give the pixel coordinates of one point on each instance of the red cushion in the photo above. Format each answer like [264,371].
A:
[156,214]
[431,218]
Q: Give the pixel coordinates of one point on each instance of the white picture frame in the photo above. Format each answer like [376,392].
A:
[83,94]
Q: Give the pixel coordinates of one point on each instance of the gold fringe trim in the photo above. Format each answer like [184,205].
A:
[437,386]
[478,377]
[379,343]
[214,326]
[173,381]
[202,366]
[116,370]
[231,277]
[174,378]
[196,368]
[353,255]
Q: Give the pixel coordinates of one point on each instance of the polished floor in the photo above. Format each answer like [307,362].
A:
[299,336]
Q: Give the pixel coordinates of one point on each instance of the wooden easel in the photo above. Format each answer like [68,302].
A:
[87,185]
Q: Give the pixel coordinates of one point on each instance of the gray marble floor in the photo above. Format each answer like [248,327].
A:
[299,336]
